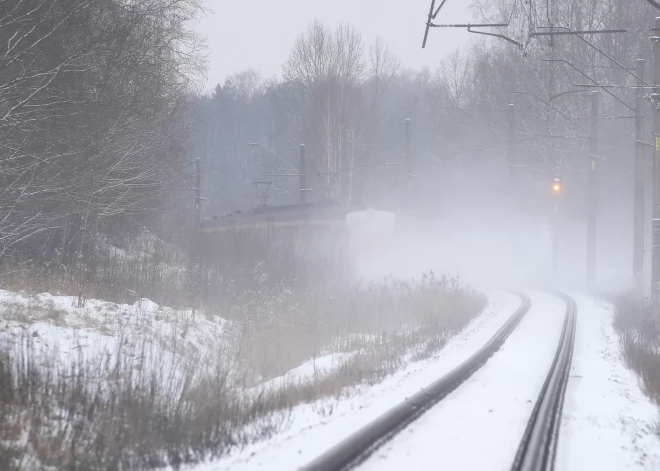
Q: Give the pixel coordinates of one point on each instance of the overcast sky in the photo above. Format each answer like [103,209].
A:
[259,34]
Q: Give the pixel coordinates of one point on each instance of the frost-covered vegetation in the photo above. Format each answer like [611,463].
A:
[109,386]
[638,326]
[101,124]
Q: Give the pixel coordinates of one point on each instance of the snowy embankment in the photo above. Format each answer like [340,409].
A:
[489,412]
[100,331]
[608,422]
[305,373]
[316,427]
[197,386]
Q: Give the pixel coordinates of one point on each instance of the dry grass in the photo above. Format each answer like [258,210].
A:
[277,329]
[180,396]
[638,327]
[132,412]
[93,416]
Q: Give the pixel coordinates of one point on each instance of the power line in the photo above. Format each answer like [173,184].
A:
[654,3]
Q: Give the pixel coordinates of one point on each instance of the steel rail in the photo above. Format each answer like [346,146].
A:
[538,446]
[360,445]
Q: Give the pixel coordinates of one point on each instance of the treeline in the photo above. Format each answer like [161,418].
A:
[94,119]
[99,121]
[333,97]
[347,101]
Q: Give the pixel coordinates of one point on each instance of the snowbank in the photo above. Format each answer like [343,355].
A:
[64,332]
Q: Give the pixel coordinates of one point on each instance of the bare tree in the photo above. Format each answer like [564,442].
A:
[92,114]
[455,71]
[326,70]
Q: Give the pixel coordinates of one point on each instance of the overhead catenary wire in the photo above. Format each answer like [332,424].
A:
[593,80]
[654,3]
[595,48]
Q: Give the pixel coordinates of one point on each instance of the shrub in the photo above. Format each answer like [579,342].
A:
[638,326]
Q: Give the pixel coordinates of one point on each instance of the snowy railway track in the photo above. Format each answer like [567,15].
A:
[538,447]
[360,445]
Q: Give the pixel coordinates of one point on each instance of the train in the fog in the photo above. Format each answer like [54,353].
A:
[364,230]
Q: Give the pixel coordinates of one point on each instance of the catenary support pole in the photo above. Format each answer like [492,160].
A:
[655,243]
[198,195]
[512,162]
[351,168]
[638,235]
[409,164]
[303,176]
[511,149]
[196,259]
[593,193]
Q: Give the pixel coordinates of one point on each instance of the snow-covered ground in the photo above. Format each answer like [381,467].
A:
[479,425]
[305,373]
[608,423]
[316,427]
[57,326]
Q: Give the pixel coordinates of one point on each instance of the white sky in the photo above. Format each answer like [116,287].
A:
[259,34]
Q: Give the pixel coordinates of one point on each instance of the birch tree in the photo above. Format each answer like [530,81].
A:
[92,108]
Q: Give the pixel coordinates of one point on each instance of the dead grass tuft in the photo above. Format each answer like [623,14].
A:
[140,409]
[638,327]
[277,329]
[88,416]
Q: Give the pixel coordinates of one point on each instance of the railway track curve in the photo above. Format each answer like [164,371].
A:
[361,444]
[538,447]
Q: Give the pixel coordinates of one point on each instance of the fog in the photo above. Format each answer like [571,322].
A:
[478,234]
[474,196]
[226,225]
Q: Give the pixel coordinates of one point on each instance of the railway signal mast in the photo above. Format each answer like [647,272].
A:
[592,203]
[537,31]
[556,189]
[655,250]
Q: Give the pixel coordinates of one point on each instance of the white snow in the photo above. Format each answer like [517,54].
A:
[608,423]
[479,426]
[63,332]
[316,367]
[316,427]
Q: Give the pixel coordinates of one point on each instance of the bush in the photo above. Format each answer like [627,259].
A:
[638,326]
[148,404]
[93,416]
[278,329]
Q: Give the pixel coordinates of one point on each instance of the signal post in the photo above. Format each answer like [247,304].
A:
[593,193]
[655,238]
[556,188]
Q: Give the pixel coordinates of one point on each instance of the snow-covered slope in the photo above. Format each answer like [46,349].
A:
[317,427]
[55,325]
[608,422]
[479,425]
